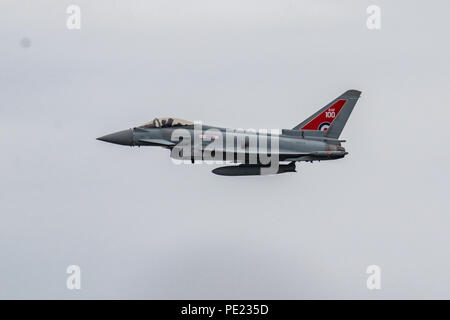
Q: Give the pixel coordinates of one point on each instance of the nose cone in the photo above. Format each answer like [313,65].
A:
[124,137]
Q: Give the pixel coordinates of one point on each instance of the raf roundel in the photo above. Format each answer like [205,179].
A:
[324,126]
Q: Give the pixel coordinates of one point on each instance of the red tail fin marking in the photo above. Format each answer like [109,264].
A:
[323,121]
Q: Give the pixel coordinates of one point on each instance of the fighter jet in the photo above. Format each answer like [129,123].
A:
[248,152]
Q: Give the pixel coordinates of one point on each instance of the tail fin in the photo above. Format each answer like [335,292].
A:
[333,117]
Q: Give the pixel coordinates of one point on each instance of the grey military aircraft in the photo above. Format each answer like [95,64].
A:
[256,152]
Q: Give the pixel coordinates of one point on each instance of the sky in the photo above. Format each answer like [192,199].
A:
[141,227]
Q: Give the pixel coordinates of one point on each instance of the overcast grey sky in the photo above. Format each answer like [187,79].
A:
[141,227]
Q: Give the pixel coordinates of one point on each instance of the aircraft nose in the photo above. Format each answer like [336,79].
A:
[124,137]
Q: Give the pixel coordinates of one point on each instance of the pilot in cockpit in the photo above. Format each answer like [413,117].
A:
[166,123]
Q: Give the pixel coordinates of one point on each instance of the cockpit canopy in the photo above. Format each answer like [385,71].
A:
[166,123]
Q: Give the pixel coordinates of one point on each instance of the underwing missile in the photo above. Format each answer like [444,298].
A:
[252,170]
